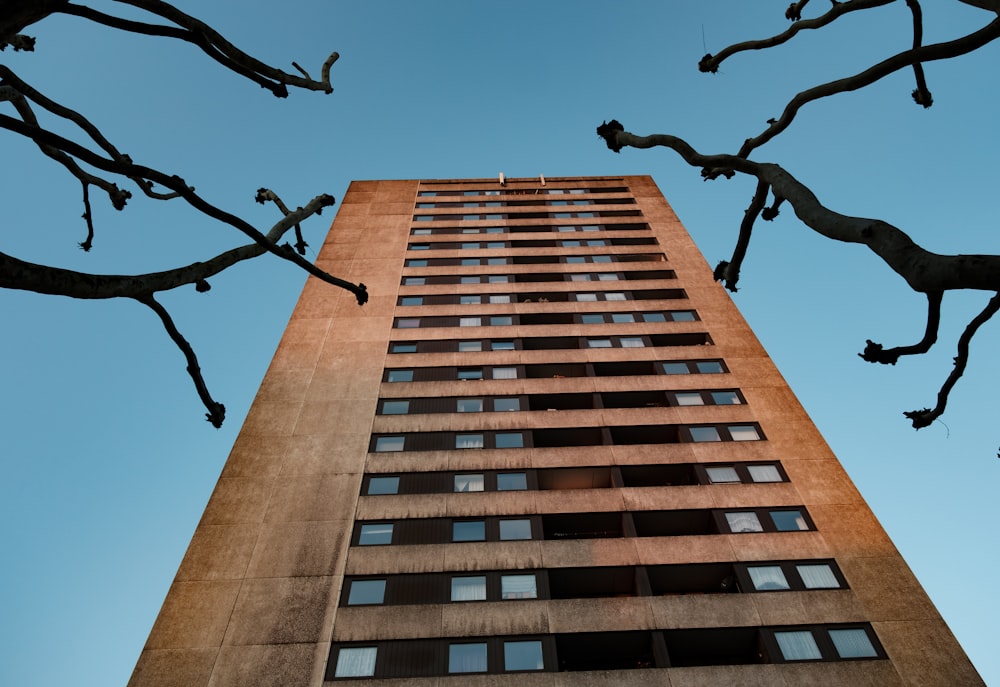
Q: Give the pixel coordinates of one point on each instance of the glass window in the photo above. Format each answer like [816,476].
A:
[767,578]
[797,646]
[464,483]
[498,279]
[400,376]
[689,398]
[565,229]
[395,407]
[469,262]
[597,242]
[502,345]
[468,588]
[632,342]
[416,263]
[414,281]
[722,475]
[383,485]
[469,346]
[424,218]
[676,368]
[744,433]
[502,321]
[420,246]
[570,244]
[562,215]
[470,405]
[682,316]
[518,587]
[523,656]
[468,280]
[511,530]
[575,259]
[509,440]
[494,230]
[502,298]
[470,231]
[579,277]
[709,367]
[495,215]
[404,348]
[592,319]
[852,643]
[356,662]
[389,444]
[512,481]
[470,373]
[468,530]
[366,592]
[584,297]
[504,373]
[408,323]
[705,434]
[469,300]
[599,343]
[496,261]
[607,276]
[725,398]
[374,535]
[470,246]
[422,232]
[622,317]
[789,520]
[654,317]
[505,404]
[494,244]
[578,190]
[470,217]
[469,441]
[817,576]
[614,296]
[601,258]
[764,473]
[467,658]
[743,521]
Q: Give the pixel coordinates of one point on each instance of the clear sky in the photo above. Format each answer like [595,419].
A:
[106,460]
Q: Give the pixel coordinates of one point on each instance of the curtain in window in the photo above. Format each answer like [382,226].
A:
[743,522]
[764,473]
[468,322]
[469,441]
[852,643]
[767,577]
[356,662]
[518,587]
[504,373]
[817,576]
[467,658]
[797,646]
[468,589]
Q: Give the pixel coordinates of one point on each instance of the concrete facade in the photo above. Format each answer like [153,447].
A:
[642,427]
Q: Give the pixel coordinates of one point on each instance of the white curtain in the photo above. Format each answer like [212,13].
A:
[468,589]
[469,441]
[743,522]
[468,322]
[764,473]
[467,658]
[504,373]
[818,576]
[852,643]
[797,646]
[356,662]
[518,587]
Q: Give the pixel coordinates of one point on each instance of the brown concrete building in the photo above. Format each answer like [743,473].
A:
[549,452]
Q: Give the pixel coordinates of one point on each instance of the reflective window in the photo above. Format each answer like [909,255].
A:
[607,276]
[419,246]
[797,646]
[705,434]
[494,244]
[502,298]
[505,404]
[467,658]
[414,281]
[622,317]
[356,662]
[512,481]
[497,279]
[689,398]
[614,296]
[789,520]
[470,405]
[676,368]
[468,588]
[383,485]
[654,317]
[725,398]
[468,280]
[469,246]
[400,375]
[523,656]
[469,441]
[469,346]
[722,475]
[767,578]
[592,319]
[518,587]
[366,592]
[764,473]
[395,407]
[502,346]
[404,348]
[464,483]
[852,643]
[744,433]
[469,300]
[504,373]
[468,530]
[496,261]
[745,521]
[632,342]
[469,262]
[416,263]
[575,259]
[470,373]
[709,367]
[599,343]
[408,323]
[584,297]
[511,530]
[389,444]
[817,576]
[509,440]
[373,535]
[502,321]
[682,316]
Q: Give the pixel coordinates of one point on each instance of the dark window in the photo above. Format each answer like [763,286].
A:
[383,485]
[366,592]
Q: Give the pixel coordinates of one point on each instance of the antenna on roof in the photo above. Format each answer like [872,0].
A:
[503,180]
[541,177]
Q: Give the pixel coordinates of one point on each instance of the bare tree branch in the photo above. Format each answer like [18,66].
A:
[729,272]
[923,418]
[921,95]
[874,353]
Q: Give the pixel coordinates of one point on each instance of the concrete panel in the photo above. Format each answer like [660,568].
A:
[218,552]
[275,665]
[195,614]
[369,623]
[300,549]
[600,615]
[704,610]
[173,668]
[284,610]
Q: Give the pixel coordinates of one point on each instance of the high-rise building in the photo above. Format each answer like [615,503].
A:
[548,452]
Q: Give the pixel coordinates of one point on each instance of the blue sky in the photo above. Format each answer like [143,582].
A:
[107,462]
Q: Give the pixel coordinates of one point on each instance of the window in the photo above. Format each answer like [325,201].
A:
[682,316]
[606,276]
[700,434]
[414,281]
[395,407]
[468,588]
[506,404]
[709,367]
[494,244]
[404,348]
[744,521]
[570,244]
[497,279]
[469,262]
[502,346]
[725,398]
[797,646]
[599,343]
[469,346]
[632,342]
[767,578]
[470,373]
[469,300]
[676,368]
[420,246]
[496,261]
[467,658]
[416,263]
[579,277]
[614,296]
[470,405]
[365,592]
[654,317]
[518,587]
[592,319]
[470,231]
[504,373]
[500,299]
[400,375]
[501,321]
[622,317]
[852,643]
[744,433]
[408,323]
[509,440]
[356,662]
[523,656]
[383,485]
[689,398]
[722,475]
[572,260]
[464,483]
[764,473]
[585,297]
[468,530]
[789,520]
[470,246]
[389,444]
[375,535]
[469,321]
[513,530]
[817,576]
[423,232]
[469,441]
[469,280]
[512,481]
[601,258]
